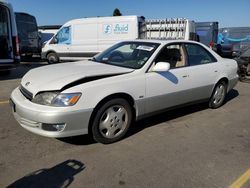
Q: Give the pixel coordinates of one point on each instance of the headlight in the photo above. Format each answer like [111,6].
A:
[67,99]
[57,99]
[45,98]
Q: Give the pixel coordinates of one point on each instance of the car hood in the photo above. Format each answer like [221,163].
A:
[56,77]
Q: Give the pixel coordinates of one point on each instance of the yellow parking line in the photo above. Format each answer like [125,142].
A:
[241,180]
[4,102]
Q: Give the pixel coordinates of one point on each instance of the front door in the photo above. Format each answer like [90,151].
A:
[167,89]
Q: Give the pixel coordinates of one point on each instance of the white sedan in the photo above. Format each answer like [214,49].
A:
[128,81]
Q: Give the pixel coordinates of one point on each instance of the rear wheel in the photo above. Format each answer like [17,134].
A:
[52,58]
[218,97]
[112,121]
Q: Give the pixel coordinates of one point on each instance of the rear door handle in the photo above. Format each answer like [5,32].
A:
[185,76]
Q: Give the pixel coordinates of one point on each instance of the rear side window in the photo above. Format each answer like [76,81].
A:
[197,55]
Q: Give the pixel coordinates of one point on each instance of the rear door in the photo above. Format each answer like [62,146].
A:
[202,72]
[191,77]
[6,52]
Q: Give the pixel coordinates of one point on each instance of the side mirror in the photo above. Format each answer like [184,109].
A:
[161,67]
[54,40]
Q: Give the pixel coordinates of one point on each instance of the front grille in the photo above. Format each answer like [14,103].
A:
[26,93]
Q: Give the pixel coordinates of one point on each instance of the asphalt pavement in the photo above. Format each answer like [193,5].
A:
[189,147]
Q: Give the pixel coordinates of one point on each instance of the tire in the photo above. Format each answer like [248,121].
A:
[112,121]
[218,96]
[52,58]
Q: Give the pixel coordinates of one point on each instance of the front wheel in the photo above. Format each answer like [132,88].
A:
[52,58]
[218,96]
[112,121]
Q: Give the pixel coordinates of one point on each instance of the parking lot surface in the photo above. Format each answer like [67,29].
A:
[190,147]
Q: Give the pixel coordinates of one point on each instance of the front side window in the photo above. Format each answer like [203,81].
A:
[173,54]
[64,36]
[128,54]
[197,55]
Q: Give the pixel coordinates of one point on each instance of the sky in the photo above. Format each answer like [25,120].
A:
[229,13]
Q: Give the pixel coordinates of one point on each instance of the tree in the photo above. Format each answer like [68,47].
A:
[117,12]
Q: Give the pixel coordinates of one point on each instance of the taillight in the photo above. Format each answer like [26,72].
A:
[211,44]
[17,46]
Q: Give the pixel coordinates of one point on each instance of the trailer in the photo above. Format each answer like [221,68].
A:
[170,29]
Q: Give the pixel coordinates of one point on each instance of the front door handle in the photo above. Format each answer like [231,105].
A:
[185,76]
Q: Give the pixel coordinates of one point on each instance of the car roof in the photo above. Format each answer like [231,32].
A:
[163,42]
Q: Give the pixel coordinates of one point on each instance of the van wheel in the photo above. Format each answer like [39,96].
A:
[112,121]
[52,58]
[219,94]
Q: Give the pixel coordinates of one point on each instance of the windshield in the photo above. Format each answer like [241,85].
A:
[128,54]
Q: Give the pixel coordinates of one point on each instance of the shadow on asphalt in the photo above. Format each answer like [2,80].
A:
[22,69]
[152,120]
[78,140]
[231,95]
[61,175]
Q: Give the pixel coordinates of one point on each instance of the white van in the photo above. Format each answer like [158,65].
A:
[9,47]
[84,38]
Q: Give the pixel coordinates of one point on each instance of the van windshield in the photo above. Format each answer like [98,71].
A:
[128,54]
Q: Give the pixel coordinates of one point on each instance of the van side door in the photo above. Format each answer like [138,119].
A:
[203,71]
[84,40]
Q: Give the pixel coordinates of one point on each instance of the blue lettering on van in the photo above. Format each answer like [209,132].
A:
[107,29]
[121,28]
